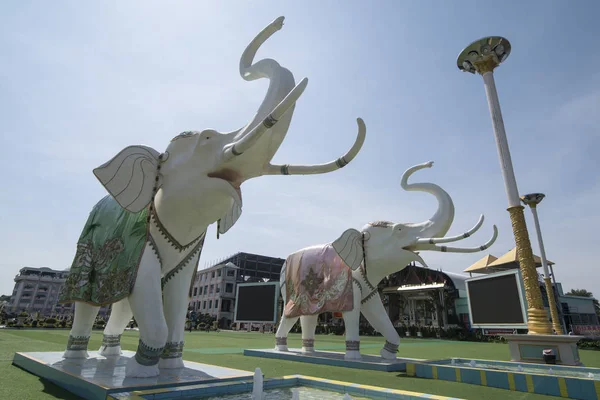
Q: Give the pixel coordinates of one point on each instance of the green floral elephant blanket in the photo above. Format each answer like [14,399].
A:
[108,254]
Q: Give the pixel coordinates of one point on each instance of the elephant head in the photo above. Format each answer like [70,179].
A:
[213,164]
[389,246]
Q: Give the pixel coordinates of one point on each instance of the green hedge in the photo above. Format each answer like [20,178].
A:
[589,344]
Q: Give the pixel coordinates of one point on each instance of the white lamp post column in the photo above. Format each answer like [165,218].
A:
[482,57]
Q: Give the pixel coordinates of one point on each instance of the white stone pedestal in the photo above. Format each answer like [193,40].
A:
[529,348]
[96,377]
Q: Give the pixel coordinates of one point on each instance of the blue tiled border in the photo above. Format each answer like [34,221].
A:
[539,383]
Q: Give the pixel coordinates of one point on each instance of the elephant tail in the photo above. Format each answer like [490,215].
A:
[282,282]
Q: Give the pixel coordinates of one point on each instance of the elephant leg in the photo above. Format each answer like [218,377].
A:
[147,306]
[79,337]
[375,313]
[285,326]
[119,318]
[309,324]
[176,302]
[351,321]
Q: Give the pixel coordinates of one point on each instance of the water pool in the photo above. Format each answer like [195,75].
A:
[558,370]
[305,393]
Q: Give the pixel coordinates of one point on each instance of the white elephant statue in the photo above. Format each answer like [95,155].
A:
[342,276]
[140,247]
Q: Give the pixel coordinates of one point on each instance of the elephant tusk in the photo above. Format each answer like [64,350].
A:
[452,238]
[246,142]
[445,249]
[341,162]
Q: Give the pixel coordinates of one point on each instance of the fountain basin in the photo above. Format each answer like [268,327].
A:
[554,380]
[277,389]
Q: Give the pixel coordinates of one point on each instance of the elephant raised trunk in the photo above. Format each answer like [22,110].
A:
[433,230]
[440,223]
[261,137]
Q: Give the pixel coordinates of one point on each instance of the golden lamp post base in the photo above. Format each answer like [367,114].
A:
[537,318]
[537,322]
[552,302]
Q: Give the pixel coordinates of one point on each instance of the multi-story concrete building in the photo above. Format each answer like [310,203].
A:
[215,287]
[36,290]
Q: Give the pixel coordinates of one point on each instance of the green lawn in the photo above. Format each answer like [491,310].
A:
[225,349]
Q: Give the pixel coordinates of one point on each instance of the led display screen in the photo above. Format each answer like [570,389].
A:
[495,300]
[256,303]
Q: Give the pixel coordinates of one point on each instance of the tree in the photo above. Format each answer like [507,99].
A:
[580,293]
[585,293]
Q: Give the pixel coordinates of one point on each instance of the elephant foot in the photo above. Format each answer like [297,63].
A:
[77,347]
[388,355]
[145,362]
[171,363]
[110,351]
[281,344]
[308,345]
[111,345]
[389,351]
[133,369]
[75,354]
[352,355]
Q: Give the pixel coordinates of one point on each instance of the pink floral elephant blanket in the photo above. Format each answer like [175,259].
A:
[317,280]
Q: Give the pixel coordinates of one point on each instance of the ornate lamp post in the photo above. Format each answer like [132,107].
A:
[532,200]
[483,56]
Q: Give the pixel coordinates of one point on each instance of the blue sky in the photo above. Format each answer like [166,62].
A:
[79,81]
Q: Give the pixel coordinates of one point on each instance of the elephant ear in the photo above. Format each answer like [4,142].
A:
[131,176]
[349,248]
[229,219]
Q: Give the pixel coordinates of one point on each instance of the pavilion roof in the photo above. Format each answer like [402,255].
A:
[513,257]
[510,260]
[481,266]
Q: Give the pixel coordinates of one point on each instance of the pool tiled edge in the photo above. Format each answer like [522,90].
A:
[538,383]
[212,389]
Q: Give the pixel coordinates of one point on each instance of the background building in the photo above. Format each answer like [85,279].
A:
[36,290]
[214,288]
[418,296]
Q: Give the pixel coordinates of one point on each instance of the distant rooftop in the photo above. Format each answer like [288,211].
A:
[39,269]
[510,260]
[241,256]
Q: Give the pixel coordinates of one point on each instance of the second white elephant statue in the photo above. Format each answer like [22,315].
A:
[140,247]
[342,276]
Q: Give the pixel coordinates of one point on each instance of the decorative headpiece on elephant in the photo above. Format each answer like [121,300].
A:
[342,276]
[143,242]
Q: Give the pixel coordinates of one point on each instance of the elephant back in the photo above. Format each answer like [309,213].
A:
[317,280]
[108,254]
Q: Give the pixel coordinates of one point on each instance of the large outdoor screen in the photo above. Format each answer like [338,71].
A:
[496,301]
[257,302]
